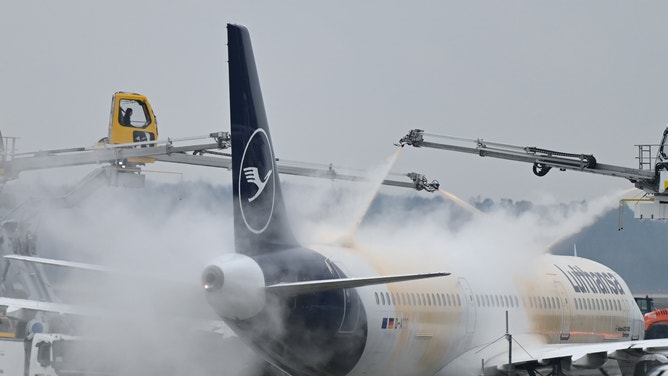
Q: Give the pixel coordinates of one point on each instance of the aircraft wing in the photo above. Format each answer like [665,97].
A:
[19,308]
[24,309]
[528,350]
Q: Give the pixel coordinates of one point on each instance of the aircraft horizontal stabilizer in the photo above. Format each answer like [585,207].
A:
[68,264]
[287,290]
[93,268]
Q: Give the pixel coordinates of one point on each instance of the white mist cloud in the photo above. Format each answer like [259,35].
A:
[171,236]
[162,237]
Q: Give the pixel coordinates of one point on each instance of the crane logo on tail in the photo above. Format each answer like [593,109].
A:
[257,182]
[253,176]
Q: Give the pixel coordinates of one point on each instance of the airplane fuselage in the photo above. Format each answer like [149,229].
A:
[435,326]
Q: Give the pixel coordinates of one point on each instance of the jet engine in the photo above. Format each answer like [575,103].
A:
[234,285]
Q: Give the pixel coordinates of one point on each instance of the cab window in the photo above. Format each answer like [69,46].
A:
[133,113]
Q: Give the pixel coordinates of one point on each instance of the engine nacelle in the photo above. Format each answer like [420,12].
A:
[234,285]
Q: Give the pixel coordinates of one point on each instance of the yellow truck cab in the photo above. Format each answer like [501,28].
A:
[132,120]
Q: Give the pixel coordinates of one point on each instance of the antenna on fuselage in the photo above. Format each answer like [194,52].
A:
[509,337]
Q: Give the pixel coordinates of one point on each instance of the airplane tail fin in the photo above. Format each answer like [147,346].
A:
[260,221]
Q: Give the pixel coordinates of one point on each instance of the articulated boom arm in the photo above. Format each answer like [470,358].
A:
[222,160]
[653,179]
[182,151]
[542,159]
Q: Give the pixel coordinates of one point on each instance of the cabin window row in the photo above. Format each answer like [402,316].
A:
[591,304]
[544,302]
[418,299]
[506,301]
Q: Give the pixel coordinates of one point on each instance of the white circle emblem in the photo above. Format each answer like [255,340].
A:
[271,180]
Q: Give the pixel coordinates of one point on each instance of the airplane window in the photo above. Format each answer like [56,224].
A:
[531,301]
[544,306]
[388,298]
[576,303]
[505,298]
[433,298]
[440,303]
[553,303]
[423,300]
[449,301]
[477,300]
[607,305]
[403,298]
[382,298]
[377,299]
[496,301]
[459,300]
[589,305]
[487,300]
[517,302]
[443,298]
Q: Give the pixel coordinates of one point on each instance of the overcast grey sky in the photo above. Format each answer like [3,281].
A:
[343,81]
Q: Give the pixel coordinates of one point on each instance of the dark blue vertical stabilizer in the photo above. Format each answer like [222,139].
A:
[260,222]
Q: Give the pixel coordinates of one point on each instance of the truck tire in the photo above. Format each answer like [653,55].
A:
[658,330]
